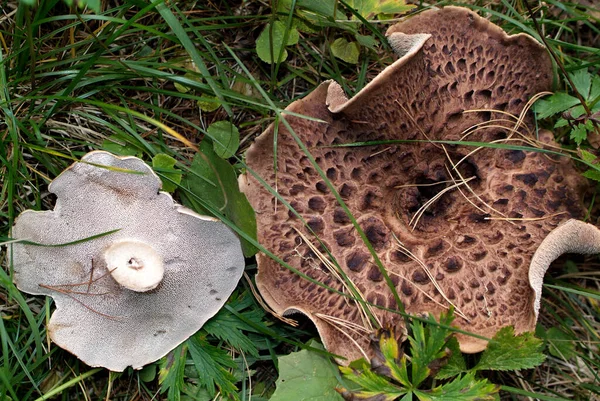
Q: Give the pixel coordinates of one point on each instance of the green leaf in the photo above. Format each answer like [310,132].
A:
[306,376]
[579,133]
[344,50]
[456,362]
[428,345]
[148,373]
[510,352]
[370,383]
[228,327]
[208,103]
[595,91]
[225,137]
[367,41]
[272,39]
[554,104]
[465,388]
[212,365]
[582,81]
[370,8]
[114,144]
[560,344]
[163,164]
[592,175]
[213,181]
[171,373]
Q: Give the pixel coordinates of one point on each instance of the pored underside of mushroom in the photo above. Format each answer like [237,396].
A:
[475,241]
[97,318]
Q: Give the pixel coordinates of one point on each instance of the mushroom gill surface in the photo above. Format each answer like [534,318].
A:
[101,317]
[487,209]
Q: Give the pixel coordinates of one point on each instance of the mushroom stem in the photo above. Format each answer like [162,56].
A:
[135,265]
[574,236]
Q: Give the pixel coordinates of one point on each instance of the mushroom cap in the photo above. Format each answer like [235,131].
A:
[96,318]
[475,242]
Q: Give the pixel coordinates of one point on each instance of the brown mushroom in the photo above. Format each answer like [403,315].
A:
[453,225]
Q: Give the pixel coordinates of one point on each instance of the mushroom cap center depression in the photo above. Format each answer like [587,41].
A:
[135,265]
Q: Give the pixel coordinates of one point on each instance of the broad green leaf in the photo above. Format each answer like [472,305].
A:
[510,352]
[272,39]
[164,165]
[148,373]
[560,344]
[344,50]
[213,180]
[208,103]
[324,8]
[212,365]
[370,8]
[171,373]
[556,103]
[225,137]
[114,144]
[465,388]
[582,81]
[306,376]
[456,362]
[367,41]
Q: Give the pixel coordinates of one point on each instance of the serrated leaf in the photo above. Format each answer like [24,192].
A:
[560,344]
[272,39]
[228,327]
[428,344]
[465,388]
[370,8]
[344,50]
[213,180]
[510,352]
[225,137]
[171,372]
[588,156]
[370,384]
[582,80]
[579,133]
[456,362]
[212,365]
[170,176]
[592,175]
[306,376]
[554,104]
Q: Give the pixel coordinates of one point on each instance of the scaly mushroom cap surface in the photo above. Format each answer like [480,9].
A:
[475,241]
[102,317]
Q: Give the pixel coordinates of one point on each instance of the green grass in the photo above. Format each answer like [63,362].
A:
[72,81]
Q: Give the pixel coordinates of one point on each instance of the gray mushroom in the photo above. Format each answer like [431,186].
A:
[129,297]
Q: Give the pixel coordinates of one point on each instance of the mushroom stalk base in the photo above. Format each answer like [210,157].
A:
[135,265]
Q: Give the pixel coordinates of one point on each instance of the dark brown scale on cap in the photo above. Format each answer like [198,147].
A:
[451,62]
